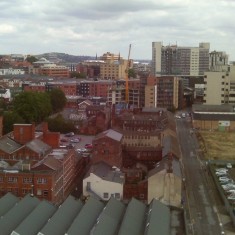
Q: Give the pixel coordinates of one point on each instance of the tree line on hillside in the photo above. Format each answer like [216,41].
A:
[36,107]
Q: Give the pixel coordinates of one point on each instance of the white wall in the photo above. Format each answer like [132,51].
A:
[100,186]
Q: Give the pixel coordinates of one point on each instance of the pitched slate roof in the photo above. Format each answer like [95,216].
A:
[31,216]
[61,220]
[36,219]
[7,202]
[8,145]
[134,218]
[86,219]
[158,221]
[111,134]
[38,146]
[17,214]
[109,219]
[106,172]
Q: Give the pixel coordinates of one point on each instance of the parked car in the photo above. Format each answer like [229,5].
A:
[221,173]
[221,169]
[70,134]
[229,165]
[88,146]
[76,140]
[63,140]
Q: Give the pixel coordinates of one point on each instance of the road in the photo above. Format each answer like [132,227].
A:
[200,203]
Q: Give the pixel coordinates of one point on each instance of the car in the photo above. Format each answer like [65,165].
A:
[63,140]
[88,146]
[223,178]
[229,165]
[178,117]
[183,115]
[83,150]
[221,169]
[221,173]
[76,140]
[70,134]
[231,197]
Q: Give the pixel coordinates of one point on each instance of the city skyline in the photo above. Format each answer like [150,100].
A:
[92,28]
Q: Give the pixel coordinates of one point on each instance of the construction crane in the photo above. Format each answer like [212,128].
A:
[127,75]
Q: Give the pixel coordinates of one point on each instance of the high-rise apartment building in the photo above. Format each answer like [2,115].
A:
[218,59]
[174,60]
[220,86]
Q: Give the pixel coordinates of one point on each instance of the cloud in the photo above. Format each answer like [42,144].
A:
[87,27]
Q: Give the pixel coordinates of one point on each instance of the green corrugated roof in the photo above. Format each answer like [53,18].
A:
[36,219]
[62,219]
[86,219]
[111,216]
[7,202]
[158,222]
[134,218]
[17,214]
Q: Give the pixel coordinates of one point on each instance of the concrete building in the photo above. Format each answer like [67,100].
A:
[220,86]
[164,92]
[114,67]
[218,59]
[175,60]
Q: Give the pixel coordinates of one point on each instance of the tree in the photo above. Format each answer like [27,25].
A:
[10,118]
[31,59]
[57,99]
[59,124]
[32,106]
[131,73]
[77,75]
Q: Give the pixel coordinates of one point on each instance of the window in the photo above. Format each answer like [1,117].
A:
[12,179]
[106,195]
[45,193]
[1,179]
[41,180]
[27,180]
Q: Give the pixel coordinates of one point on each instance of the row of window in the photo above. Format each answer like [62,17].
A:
[12,179]
[24,191]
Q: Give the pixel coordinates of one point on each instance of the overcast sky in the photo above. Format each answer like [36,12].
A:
[90,27]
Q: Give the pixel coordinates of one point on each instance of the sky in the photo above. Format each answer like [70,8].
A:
[94,27]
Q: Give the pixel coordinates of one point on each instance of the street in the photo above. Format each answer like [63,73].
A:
[200,205]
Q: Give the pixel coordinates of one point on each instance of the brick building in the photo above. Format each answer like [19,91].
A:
[30,165]
[108,148]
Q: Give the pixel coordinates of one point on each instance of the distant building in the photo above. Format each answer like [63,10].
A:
[175,60]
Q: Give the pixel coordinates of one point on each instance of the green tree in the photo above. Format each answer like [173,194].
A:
[131,73]
[59,124]
[58,100]
[10,118]
[31,59]
[32,106]
[77,75]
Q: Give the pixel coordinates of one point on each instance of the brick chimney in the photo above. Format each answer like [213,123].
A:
[23,133]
